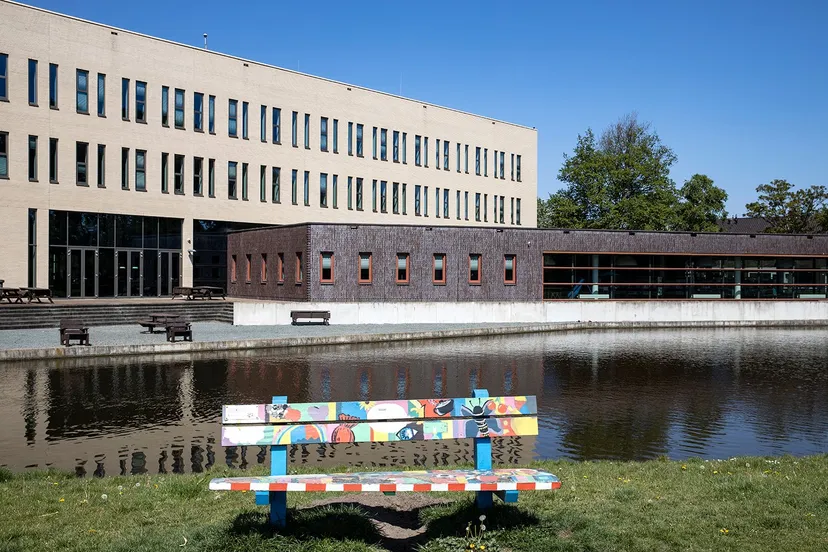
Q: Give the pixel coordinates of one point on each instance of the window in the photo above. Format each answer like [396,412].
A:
[404,197]
[466,203]
[474,269]
[402,268]
[417,141]
[485,161]
[477,207]
[445,155]
[4,77]
[326,267]
[365,268]
[211,177]
[517,212]
[263,273]
[247,268]
[165,171]
[293,129]
[374,143]
[512,165]
[82,91]
[263,124]
[81,157]
[53,160]
[350,193]
[140,170]
[32,241]
[417,211]
[439,269]
[485,207]
[374,196]
[125,168]
[477,161]
[232,118]
[383,144]
[53,86]
[307,131]
[178,174]
[383,196]
[323,189]
[404,140]
[165,106]
[198,112]
[458,204]
[437,203]
[359,140]
[350,138]
[125,99]
[425,201]
[101,166]
[359,194]
[141,102]
[502,165]
[293,193]
[495,164]
[232,268]
[244,120]
[425,151]
[445,203]
[276,115]
[32,158]
[502,219]
[276,191]
[306,188]
[211,113]
[323,133]
[198,176]
[509,270]
[179,108]
[437,155]
[101,95]
[512,216]
[33,82]
[280,268]
[244,182]
[300,270]
[395,198]
[336,136]
[4,154]
[517,168]
[231,179]
[458,157]
[334,192]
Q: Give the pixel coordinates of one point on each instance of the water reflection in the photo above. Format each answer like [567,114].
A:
[624,395]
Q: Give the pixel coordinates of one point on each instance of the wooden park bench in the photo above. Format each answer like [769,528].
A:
[480,418]
[70,329]
[325,316]
[159,320]
[179,329]
[185,292]
[12,295]
[207,292]
[36,293]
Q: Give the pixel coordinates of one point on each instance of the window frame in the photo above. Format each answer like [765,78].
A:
[4,78]
[407,280]
[32,158]
[323,134]
[276,184]
[79,91]
[84,163]
[307,131]
[53,84]
[31,75]
[232,118]
[233,269]
[165,106]
[434,280]
[276,124]
[124,168]
[322,279]
[101,165]
[245,120]
[280,268]
[198,112]
[299,274]
[479,280]
[124,99]
[178,177]
[235,180]
[263,269]
[182,108]
[513,280]
[198,176]
[140,105]
[53,160]
[365,281]
[141,170]
[101,97]
[323,190]
[248,271]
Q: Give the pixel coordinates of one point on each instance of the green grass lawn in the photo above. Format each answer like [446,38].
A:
[745,504]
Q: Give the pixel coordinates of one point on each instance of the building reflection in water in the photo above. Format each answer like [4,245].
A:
[626,395]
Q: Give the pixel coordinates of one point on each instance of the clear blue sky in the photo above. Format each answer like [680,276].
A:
[738,89]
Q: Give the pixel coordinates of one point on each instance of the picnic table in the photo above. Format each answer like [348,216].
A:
[72,328]
[200,292]
[12,295]
[36,293]
[159,319]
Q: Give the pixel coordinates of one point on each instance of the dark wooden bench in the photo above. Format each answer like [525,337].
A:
[159,320]
[36,293]
[184,292]
[207,292]
[179,329]
[70,329]
[325,316]
[12,295]
[480,418]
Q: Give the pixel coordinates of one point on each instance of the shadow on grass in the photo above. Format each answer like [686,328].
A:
[337,521]
[499,516]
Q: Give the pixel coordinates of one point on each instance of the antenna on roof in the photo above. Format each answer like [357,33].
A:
[205,41]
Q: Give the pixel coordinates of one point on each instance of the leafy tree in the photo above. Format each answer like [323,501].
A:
[790,211]
[702,204]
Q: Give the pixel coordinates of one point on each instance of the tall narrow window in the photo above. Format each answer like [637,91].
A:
[359,140]
[4,77]
[53,160]
[101,166]
[359,194]
[263,183]
[232,118]
[402,268]
[445,155]
[350,138]
[81,157]
[306,188]
[374,196]
[485,207]
[233,274]
[4,154]
[517,212]
[32,241]
[417,146]
[404,140]
[509,270]
[140,102]
[404,198]
[165,173]
[477,160]
[307,131]
[294,196]
[53,86]
[383,196]
[437,203]
[323,189]
[437,155]
[280,268]
[198,176]
[517,168]
[32,158]
[466,204]
[395,198]
[178,174]
[101,95]
[350,193]
[512,165]
[474,269]
[512,216]
[477,207]
[326,267]
[458,156]
[334,191]
[439,269]
[383,144]
[140,170]
[211,178]
[179,108]
[458,204]
[247,267]
[33,82]
[263,273]
[244,182]
[466,159]
[425,201]
[300,269]
[165,106]
[502,211]
[374,143]
[417,209]
[211,113]
[365,268]
[244,120]
[294,131]
[198,112]
[502,165]
[231,179]
[323,133]
[336,135]
[276,115]
[276,184]
[263,124]
[425,151]
[125,168]
[82,91]
[125,99]
[485,161]
[445,203]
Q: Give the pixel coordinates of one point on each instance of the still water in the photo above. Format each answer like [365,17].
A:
[609,394]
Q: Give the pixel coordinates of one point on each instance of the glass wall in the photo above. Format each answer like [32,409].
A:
[210,244]
[602,276]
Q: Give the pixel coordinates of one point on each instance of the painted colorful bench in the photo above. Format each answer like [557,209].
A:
[480,418]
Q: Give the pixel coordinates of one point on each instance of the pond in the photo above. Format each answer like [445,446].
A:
[712,393]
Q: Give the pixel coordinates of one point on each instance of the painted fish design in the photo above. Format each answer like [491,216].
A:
[343,432]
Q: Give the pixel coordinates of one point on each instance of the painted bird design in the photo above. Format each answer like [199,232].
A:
[343,432]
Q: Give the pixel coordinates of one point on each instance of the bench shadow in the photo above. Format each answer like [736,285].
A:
[499,516]
[340,522]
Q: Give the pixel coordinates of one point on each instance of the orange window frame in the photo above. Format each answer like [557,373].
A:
[440,282]
[232,268]
[407,268]
[513,280]
[249,258]
[280,268]
[323,280]
[370,278]
[479,269]
[299,276]
[263,274]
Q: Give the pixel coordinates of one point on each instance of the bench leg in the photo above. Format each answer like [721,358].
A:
[508,496]
[278,466]
[483,459]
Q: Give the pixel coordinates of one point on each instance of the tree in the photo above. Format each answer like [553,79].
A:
[702,204]
[790,211]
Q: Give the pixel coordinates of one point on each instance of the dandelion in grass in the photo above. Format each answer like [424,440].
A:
[684,466]
[137,484]
[120,488]
[62,500]
[104,496]
[723,531]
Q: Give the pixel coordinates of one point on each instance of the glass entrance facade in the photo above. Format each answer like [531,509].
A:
[105,255]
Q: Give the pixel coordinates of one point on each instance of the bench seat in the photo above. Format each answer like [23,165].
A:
[519,479]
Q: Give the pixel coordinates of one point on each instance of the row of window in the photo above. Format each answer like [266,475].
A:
[365,269]
[380,136]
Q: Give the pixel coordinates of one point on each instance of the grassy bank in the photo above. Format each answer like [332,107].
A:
[745,504]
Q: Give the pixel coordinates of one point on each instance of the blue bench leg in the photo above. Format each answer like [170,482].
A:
[483,459]
[484,500]
[278,466]
[278,508]
[508,496]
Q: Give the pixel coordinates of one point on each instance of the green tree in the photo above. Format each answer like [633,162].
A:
[702,204]
[790,211]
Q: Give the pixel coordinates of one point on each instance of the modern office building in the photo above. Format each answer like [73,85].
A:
[125,159]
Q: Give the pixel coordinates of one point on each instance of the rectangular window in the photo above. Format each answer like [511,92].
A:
[294,196]
[4,77]
[232,268]
[512,216]
[359,194]
[178,174]
[141,102]
[32,158]
[4,154]
[458,156]
[306,188]
[502,217]
[336,136]
[425,151]
[374,196]
[374,143]
[350,193]
[485,207]
[365,268]
[323,133]
[517,168]
[509,270]
[245,125]
[165,106]
[198,176]
[495,164]
[247,267]
[211,114]
[512,165]
[417,210]
[466,204]
[359,140]
[101,166]
[445,203]
[334,192]
[211,177]
[477,161]
[425,201]
[165,173]
[300,270]
[198,112]
[140,170]
[294,131]
[82,91]
[458,204]
[396,146]
[350,138]
[402,268]
[517,212]
[474,269]
[445,155]
[276,115]
[323,189]
[485,161]
[263,273]
[404,199]
[477,207]
[53,160]
[494,210]
[232,118]
[437,155]
[244,182]
[307,131]
[179,108]
[276,184]
[395,198]
[437,203]
[101,95]
[383,144]
[404,140]
[383,196]
[263,183]
[53,86]
[125,99]
[438,276]
[417,144]
[502,165]
[232,167]
[32,241]
[326,267]
[33,82]
[280,268]
[125,168]
[81,157]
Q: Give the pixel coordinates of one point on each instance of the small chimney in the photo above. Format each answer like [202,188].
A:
[205,41]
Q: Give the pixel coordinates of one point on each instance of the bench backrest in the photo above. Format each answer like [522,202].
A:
[71,324]
[378,421]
